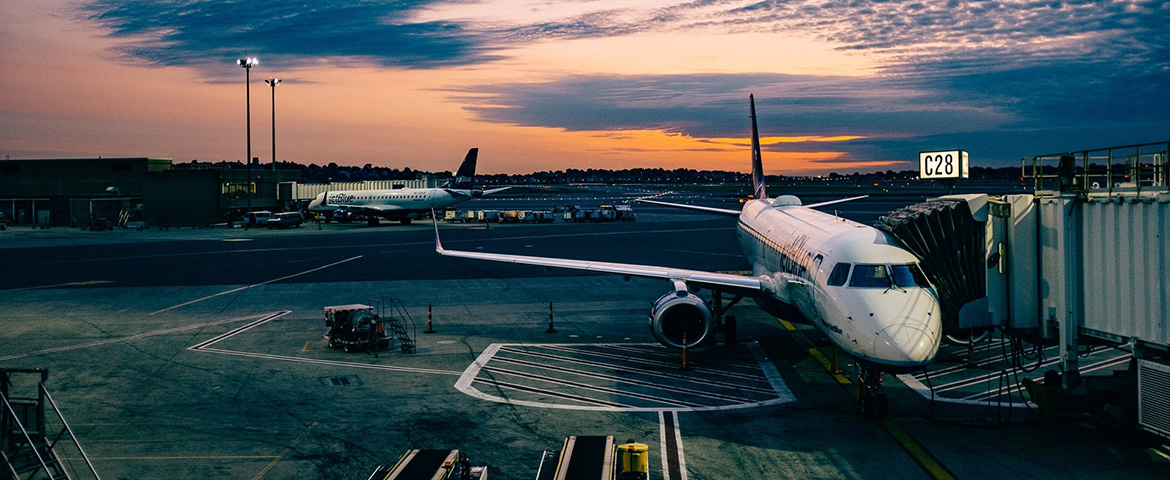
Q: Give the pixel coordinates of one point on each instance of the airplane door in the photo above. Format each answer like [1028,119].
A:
[431,198]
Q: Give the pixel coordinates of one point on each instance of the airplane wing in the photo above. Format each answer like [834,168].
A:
[751,286]
[735,213]
[721,211]
[495,190]
[839,200]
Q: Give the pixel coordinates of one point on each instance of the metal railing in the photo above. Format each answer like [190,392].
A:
[1126,169]
[25,445]
[67,429]
[27,437]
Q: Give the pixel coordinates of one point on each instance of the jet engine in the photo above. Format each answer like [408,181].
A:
[681,312]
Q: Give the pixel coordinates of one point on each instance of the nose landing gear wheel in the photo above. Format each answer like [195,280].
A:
[870,403]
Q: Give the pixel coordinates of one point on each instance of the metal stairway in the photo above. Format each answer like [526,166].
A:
[392,313]
[26,451]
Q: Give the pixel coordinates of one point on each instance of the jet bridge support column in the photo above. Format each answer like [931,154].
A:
[1061,273]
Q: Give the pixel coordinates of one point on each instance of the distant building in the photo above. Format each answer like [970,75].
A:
[64,192]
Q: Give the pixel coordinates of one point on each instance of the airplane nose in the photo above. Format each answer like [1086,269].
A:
[906,344]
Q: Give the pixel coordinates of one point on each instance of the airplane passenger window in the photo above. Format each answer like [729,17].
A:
[870,276]
[839,275]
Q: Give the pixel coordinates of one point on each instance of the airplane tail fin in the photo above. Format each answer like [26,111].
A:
[465,176]
[757,163]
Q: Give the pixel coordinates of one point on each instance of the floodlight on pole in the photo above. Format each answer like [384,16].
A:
[247,63]
[273,82]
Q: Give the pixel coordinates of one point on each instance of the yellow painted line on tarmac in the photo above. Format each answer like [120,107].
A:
[931,465]
[815,352]
[927,461]
[828,364]
[306,347]
[285,452]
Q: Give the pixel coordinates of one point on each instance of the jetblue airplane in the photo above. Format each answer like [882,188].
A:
[404,204]
[853,282]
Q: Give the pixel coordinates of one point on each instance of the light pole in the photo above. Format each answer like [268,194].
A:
[273,82]
[248,63]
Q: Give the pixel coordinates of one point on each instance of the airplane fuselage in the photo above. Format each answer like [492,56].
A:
[391,203]
[853,282]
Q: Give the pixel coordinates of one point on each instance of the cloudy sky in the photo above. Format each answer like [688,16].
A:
[546,85]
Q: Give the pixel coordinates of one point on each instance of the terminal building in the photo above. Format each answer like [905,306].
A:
[154,191]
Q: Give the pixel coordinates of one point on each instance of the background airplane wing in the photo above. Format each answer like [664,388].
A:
[839,200]
[725,282]
[721,211]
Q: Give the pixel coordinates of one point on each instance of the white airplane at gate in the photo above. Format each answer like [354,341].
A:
[853,282]
[405,204]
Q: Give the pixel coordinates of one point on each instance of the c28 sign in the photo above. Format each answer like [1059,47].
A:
[942,164]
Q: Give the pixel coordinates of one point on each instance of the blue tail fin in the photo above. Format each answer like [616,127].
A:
[757,163]
[465,176]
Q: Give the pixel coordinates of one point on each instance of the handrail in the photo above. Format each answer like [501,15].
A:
[31,444]
[70,430]
[8,462]
[1147,162]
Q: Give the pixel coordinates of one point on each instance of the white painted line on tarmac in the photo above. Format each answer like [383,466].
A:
[238,330]
[127,338]
[630,363]
[469,376]
[630,359]
[206,347]
[596,388]
[923,390]
[334,363]
[989,396]
[256,285]
[640,383]
[771,373]
[1090,368]
[67,284]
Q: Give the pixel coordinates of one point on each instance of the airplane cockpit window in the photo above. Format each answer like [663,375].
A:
[887,276]
[870,276]
[907,276]
[839,275]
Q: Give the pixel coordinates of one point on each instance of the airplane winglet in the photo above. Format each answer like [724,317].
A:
[438,243]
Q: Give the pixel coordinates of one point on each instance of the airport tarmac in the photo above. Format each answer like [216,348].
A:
[198,353]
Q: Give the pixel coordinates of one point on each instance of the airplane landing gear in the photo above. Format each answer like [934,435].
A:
[871,403]
[725,324]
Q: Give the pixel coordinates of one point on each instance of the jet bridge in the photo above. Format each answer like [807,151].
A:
[421,464]
[1082,261]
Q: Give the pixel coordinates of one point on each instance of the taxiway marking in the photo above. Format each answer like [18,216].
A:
[285,452]
[67,284]
[912,447]
[918,381]
[674,464]
[205,346]
[234,290]
[125,339]
[542,367]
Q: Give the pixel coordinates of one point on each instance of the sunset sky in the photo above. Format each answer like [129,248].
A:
[547,85]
